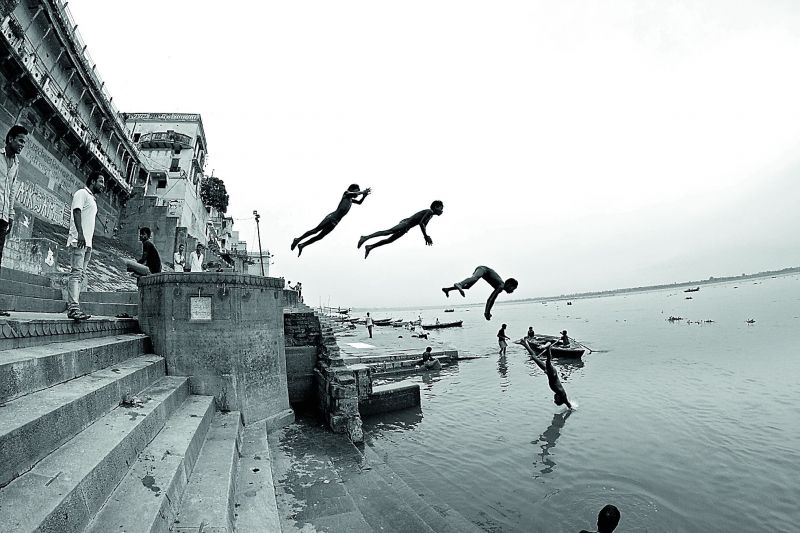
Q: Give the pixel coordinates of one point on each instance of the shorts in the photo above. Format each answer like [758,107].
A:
[502,343]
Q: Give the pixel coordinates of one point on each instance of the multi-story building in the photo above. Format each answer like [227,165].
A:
[51,85]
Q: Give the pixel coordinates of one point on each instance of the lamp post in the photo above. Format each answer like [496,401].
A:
[258,229]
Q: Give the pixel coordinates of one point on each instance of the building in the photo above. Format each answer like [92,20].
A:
[52,87]
[256,259]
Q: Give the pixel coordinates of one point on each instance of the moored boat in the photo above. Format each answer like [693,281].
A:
[451,310]
[692,290]
[440,325]
[382,321]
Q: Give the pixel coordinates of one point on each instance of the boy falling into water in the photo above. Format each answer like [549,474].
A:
[492,278]
[332,219]
[559,394]
[420,218]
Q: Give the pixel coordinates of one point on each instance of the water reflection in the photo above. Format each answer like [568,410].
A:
[502,366]
[547,440]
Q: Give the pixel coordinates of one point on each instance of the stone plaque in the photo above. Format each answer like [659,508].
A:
[200,308]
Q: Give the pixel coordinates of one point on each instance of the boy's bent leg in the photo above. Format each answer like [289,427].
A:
[470,281]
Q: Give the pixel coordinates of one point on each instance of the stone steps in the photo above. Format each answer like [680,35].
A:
[21,331]
[27,370]
[120,297]
[67,488]
[255,507]
[108,309]
[32,426]
[148,497]
[20,288]
[23,277]
[13,302]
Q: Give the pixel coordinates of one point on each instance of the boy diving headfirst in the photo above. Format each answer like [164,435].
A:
[420,218]
[331,220]
[559,394]
[492,278]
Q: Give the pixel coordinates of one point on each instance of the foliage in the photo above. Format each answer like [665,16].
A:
[213,193]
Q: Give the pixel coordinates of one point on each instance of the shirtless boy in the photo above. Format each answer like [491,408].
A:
[420,218]
[492,278]
[332,219]
[559,394]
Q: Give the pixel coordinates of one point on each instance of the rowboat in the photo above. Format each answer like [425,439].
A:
[382,321]
[440,325]
[573,350]
[449,310]
[692,290]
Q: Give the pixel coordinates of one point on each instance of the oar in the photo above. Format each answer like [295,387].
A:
[581,344]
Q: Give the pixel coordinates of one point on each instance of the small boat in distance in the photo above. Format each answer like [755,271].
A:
[692,290]
[449,310]
[440,325]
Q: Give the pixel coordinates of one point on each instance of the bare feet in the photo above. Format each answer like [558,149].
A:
[460,291]
[294,243]
[361,241]
[446,291]
[299,250]
[367,249]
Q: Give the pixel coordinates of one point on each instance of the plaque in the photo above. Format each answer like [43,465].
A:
[200,308]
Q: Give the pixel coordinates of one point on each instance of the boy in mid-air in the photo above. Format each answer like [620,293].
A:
[559,394]
[420,218]
[492,278]
[332,219]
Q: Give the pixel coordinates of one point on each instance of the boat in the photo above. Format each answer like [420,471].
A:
[692,290]
[449,310]
[440,325]
[573,350]
[382,321]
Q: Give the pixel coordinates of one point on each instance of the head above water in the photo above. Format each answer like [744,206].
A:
[607,519]
[504,326]
[510,285]
[354,187]
[437,207]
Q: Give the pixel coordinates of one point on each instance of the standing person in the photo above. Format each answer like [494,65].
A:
[179,259]
[492,278]
[196,259]
[420,218]
[332,219]
[150,262]
[502,338]
[299,288]
[559,394]
[15,142]
[369,325]
[607,520]
[79,241]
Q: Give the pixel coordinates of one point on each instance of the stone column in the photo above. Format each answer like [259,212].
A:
[225,331]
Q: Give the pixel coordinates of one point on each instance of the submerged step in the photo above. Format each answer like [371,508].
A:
[67,488]
[34,425]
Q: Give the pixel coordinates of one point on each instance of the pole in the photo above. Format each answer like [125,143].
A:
[258,229]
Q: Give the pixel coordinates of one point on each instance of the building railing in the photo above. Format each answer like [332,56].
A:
[166,137]
[35,65]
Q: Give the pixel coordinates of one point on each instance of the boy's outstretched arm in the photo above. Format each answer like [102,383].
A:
[356,194]
[424,224]
[490,302]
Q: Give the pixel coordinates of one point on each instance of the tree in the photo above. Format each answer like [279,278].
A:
[213,193]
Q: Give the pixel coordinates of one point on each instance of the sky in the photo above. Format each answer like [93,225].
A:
[576,145]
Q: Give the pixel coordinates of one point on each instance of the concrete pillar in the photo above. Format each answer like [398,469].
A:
[225,331]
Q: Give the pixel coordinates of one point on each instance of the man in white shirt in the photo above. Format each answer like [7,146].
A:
[196,259]
[15,142]
[179,260]
[369,325]
[79,241]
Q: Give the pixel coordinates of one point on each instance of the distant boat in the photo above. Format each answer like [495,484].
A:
[674,318]
[569,303]
[751,320]
[573,350]
[440,325]
[692,290]
[449,310]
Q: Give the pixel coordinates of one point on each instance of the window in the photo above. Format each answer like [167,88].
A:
[175,167]
[177,150]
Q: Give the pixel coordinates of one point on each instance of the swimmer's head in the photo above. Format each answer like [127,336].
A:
[510,285]
[437,207]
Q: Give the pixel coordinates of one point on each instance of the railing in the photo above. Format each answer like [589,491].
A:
[34,64]
[166,137]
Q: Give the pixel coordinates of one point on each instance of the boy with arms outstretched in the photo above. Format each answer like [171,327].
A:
[332,219]
[492,278]
[420,218]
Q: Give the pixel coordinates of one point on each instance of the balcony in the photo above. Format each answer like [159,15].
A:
[165,139]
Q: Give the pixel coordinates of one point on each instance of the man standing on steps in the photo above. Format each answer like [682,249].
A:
[196,259]
[79,241]
[15,142]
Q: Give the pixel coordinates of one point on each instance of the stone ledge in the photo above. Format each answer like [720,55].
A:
[211,277]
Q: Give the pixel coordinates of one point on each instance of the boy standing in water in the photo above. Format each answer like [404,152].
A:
[420,218]
[559,394]
[332,219]
[502,338]
[492,278]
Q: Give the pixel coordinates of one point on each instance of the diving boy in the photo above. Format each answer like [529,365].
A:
[420,218]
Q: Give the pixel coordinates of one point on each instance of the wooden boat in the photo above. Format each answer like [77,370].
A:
[382,321]
[692,290]
[571,351]
[449,310]
[440,325]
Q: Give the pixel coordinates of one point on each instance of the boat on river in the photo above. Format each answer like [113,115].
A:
[573,350]
[451,310]
[382,321]
[440,325]
[692,290]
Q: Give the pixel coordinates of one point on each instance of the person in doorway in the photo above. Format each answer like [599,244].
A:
[420,218]
[349,197]
[196,259]
[429,361]
[150,262]
[502,338]
[16,138]
[559,394]
[369,324]
[492,278]
[607,520]
[79,241]
[179,259]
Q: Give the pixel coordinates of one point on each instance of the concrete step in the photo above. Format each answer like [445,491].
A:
[109,309]
[148,497]
[10,302]
[32,426]
[440,517]
[22,330]
[390,397]
[67,488]
[255,507]
[27,370]
[24,277]
[19,288]
[209,497]
[120,297]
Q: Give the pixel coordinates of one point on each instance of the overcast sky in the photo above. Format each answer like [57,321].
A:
[576,145]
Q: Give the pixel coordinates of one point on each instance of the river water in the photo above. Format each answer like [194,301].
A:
[682,426]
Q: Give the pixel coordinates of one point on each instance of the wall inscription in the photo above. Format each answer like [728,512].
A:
[200,308]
